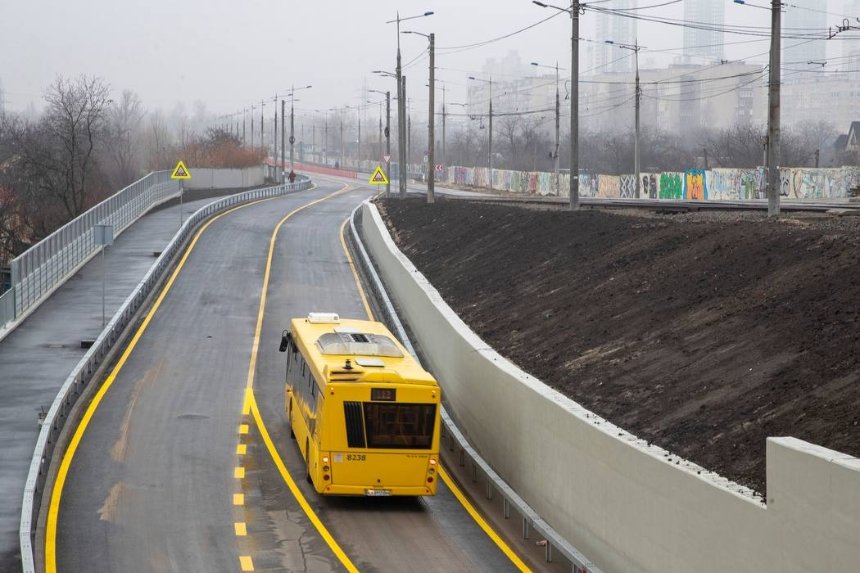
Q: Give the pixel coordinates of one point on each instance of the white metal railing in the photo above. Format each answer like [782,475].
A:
[47,264]
[82,374]
[456,441]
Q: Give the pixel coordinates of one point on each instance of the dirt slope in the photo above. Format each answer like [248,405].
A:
[703,333]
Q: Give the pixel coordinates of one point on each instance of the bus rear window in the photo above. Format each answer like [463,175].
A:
[406,426]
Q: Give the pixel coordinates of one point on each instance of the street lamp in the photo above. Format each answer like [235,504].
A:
[574,10]
[401,108]
[431,165]
[557,124]
[635,49]
[292,96]
[490,145]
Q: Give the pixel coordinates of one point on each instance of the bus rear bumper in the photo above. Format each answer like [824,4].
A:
[381,491]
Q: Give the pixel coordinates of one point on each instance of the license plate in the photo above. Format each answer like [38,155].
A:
[377,492]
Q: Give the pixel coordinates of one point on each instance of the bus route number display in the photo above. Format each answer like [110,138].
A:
[383,394]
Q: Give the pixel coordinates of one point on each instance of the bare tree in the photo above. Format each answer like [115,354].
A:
[125,117]
[75,120]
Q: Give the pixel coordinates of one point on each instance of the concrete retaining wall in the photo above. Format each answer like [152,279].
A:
[207,178]
[628,506]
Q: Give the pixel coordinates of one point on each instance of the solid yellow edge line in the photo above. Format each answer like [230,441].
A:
[518,563]
[294,489]
[354,271]
[500,543]
[62,472]
[252,365]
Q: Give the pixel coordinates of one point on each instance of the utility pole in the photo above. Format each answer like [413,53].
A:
[275,138]
[401,117]
[401,104]
[388,143]
[262,128]
[431,166]
[244,110]
[283,140]
[341,141]
[491,135]
[359,135]
[444,150]
[574,106]
[636,142]
[773,111]
[252,126]
[292,131]
[557,133]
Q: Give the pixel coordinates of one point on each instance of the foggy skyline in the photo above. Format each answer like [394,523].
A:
[230,55]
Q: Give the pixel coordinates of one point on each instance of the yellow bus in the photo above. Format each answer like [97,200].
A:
[363,412]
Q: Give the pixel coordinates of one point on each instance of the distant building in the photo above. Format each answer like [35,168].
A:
[618,29]
[800,56]
[678,99]
[831,97]
[703,45]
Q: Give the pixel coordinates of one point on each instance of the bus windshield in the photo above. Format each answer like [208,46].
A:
[399,425]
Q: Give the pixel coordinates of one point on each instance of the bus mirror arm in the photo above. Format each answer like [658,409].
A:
[285,341]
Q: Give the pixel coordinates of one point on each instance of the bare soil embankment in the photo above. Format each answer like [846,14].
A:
[703,333]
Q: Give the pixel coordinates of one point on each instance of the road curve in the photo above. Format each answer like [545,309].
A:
[152,485]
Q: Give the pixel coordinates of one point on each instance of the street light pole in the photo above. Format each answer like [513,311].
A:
[556,158]
[283,141]
[431,144]
[401,107]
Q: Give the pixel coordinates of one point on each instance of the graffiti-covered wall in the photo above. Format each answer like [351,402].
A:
[693,184]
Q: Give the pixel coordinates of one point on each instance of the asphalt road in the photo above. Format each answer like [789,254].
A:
[152,484]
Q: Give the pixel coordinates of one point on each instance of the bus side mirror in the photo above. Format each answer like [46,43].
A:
[285,341]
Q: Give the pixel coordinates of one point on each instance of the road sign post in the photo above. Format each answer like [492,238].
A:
[181,173]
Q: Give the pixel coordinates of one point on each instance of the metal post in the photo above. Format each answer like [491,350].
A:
[275,138]
[341,142]
[773,111]
[283,139]
[104,281]
[252,126]
[262,127]
[636,142]
[401,113]
[490,158]
[444,149]
[358,150]
[292,128]
[244,141]
[401,104]
[431,166]
[388,142]
[180,203]
[574,106]
[557,133]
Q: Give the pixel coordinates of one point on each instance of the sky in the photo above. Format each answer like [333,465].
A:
[231,53]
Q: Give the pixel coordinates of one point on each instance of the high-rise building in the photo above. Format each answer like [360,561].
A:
[803,18]
[616,28]
[703,45]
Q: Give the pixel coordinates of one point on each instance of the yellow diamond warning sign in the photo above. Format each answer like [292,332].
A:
[180,171]
[378,177]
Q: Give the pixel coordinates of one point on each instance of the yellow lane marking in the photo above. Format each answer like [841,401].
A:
[294,489]
[65,464]
[500,543]
[252,365]
[241,528]
[239,472]
[241,449]
[354,271]
[482,523]
[246,563]
[238,499]
[243,428]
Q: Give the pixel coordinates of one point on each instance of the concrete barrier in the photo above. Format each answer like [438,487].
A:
[208,178]
[628,505]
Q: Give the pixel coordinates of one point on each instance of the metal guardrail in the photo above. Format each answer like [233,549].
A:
[82,374]
[456,441]
[44,266]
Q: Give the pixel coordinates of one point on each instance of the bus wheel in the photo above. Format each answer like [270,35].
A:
[308,462]
[290,421]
